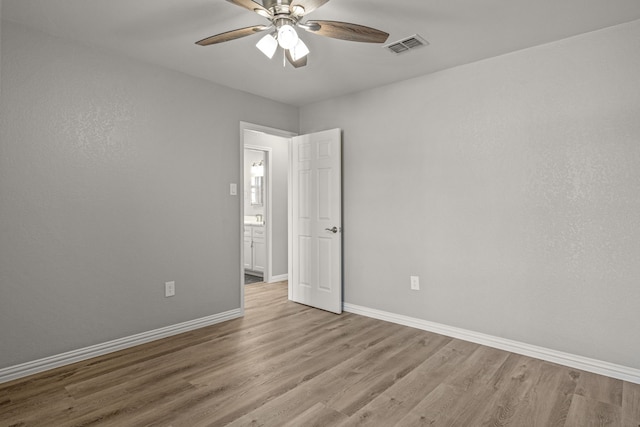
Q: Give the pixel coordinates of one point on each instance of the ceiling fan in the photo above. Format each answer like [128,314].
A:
[285,15]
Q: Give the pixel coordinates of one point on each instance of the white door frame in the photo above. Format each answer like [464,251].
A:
[268,228]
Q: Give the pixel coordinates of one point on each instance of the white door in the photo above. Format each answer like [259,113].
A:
[316,220]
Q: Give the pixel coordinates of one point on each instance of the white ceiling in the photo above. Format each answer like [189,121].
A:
[164,32]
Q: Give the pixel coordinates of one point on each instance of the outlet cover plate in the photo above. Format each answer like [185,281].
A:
[169,289]
[415,283]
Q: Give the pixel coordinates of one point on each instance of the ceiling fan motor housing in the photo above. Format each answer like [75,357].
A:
[281,8]
[268,4]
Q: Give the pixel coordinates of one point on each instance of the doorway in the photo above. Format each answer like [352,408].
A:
[257,178]
[303,210]
[273,144]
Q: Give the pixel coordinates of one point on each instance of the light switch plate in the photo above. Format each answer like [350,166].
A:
[233,189]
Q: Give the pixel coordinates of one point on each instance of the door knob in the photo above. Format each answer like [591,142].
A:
[334,230]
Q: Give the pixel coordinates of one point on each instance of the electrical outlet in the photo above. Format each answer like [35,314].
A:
[415,283]
[169,289]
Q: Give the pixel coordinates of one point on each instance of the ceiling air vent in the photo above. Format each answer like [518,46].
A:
[409,43]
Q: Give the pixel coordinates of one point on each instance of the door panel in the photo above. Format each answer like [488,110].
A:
[324,259]
[316,191]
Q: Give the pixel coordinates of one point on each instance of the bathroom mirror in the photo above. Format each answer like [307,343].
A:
[256,190]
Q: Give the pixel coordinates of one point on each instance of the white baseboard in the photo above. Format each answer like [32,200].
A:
[566,359]
[561,358]
[279,278]
[30,368]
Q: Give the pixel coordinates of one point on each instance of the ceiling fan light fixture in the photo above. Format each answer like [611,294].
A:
[287,37]
[299,51]
[268,45]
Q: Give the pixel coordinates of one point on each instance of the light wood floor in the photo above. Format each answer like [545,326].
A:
[285,364]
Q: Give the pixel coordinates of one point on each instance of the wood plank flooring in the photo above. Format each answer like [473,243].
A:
[286,364]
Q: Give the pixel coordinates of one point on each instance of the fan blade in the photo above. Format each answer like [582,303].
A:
[302,62]
[252,5]
[232,35]
[346,31]
[308,5]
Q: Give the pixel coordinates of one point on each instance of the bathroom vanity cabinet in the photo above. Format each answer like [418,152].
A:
[255,253]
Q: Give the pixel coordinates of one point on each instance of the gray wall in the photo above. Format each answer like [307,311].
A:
[114,178]
[511,186]
[279,187]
